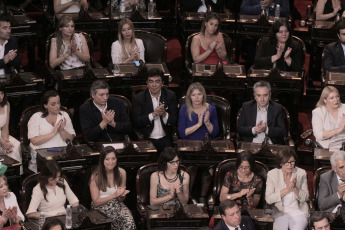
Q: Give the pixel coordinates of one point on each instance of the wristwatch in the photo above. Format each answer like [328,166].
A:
[228,197]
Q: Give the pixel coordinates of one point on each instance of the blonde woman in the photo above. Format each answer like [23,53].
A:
[68,49]
[127,48]
[329,119]
[197,117]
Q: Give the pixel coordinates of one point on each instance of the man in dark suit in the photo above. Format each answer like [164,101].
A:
[155,111]
[104,118]
[333,54]
[262,117]
[232,219]
[319,221]
[332,186]
[8,47]
[254,7]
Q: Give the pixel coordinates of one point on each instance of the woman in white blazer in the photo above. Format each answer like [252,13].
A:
[287,192]
[329,119]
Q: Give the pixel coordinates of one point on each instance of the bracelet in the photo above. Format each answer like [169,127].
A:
[228,197]
[207,123]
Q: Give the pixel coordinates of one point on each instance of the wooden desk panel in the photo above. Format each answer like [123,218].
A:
[321,157]
[12,173]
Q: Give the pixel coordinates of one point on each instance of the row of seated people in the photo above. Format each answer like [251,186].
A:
[285,189]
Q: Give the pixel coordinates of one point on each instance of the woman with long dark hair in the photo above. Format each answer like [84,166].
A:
[127,48]
[208,46]
[108,190]
[169,184]
[50,127]
[279,49]
[50,194]
[68,50]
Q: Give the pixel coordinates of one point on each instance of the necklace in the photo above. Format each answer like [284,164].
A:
[170,180]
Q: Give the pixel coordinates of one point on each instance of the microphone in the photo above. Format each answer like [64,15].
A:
[69,142]
[306,133]
[315,144]
[21,223]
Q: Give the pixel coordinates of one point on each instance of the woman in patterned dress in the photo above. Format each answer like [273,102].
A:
[108,190]
[68,49]
[169,184]
[243,186]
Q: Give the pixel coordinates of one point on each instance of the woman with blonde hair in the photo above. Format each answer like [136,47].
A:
[197,117]
[127,48]
[9,210]
[329,119]
[68,49]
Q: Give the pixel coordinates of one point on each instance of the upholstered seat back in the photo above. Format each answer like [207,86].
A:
[230,165]
[155,46]
[223,111]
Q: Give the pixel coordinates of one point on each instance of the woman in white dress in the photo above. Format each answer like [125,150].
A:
[50,194]
[68,50]
[128,48]
[49,128]
[8,144]
[287,191]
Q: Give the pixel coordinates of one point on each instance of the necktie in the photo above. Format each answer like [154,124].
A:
[236,228]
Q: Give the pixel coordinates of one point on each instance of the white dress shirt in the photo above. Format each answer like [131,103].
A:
[2,54]
[157,131]
[261,115]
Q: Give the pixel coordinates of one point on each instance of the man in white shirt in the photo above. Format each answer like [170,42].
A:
[8,47]
[232,219]
[332,184]
[155,111]
[262,117]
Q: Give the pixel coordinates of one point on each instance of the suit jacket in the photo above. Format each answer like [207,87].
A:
[10,45]
[253,7]
[142,107]
[246,224]
[275,183]
[275,122]
[328,198]
[266,49]
[321,122]
[333,57]
[91,117]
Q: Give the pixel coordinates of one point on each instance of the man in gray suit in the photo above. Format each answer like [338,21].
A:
[332,184]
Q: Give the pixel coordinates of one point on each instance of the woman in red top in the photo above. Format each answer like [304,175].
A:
[208,46]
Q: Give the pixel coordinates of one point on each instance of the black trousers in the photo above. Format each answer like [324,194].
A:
[161,143]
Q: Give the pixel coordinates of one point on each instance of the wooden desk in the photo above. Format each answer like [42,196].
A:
[12,173]
[84,158]
[153,25]
[196,152]
[261,220]
[190,217]
[321,157]
[323,31]
[255,147]
[94,220]
[247,25]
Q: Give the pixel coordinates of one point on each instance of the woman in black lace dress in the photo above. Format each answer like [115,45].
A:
[243,185]
[169,184]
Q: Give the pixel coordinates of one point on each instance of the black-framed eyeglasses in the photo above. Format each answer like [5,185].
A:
[174,162]
[289,163]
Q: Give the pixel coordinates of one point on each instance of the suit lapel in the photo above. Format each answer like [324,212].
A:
[269,114]
[253,113]
[340,53]
[334,182]
[149,101]
[95,111]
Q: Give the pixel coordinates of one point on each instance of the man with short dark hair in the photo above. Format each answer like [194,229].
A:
[334,53]
[8,47]
[155,111]
[232,219]
[104,118]
[319,221]
[332,185]
[262,117]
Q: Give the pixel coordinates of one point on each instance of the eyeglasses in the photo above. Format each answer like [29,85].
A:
[244,167]
[174,162]
[289,163]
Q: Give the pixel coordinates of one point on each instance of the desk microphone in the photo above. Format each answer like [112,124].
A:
[315,144]
[21,223]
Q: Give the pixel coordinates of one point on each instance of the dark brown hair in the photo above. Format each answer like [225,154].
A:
[100,173]
[3,89]
[50,169]
[284,155]
[246,156]
[168,154]
[44,101]
[226,204]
